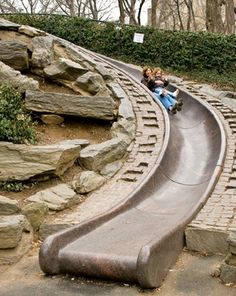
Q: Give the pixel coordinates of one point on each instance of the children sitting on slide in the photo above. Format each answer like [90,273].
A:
[155,81]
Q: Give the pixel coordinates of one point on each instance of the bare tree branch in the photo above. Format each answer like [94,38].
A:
[140,11]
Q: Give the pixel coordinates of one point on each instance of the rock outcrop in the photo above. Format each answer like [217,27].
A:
[56,198]
[97,94]
[227,270]
[8,206]
[42,53]
[93,91]
[95,157]
[14,54]
[21,162]
[65,104]
[87,181]
[16,79]
[35,213]
[11,229]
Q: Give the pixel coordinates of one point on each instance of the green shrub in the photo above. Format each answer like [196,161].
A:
[180,50]
[16,186]
[12,186]
[15,125]
[177,50]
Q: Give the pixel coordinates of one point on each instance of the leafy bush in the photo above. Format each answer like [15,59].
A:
[12,186]
[16,186]
[15,124]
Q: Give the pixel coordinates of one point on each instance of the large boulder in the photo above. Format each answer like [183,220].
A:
[35,213]
[64,69]
[13,255]
[21,162]
[95,157]
[14,54]
[30,31]
[16,79]
[102,70]
[11,228]
[65,104]
[91,82]
[126,110]
[111,169]
[42,54]
[117,90]
[8,206]
[7,25]
[56,198]
[87,181]
[124,128]
[71,52]
[228,266]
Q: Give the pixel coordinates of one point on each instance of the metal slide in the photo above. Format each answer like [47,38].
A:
[138,240]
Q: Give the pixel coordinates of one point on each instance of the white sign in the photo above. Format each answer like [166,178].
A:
[138,37]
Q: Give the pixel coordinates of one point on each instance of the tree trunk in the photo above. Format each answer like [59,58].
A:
[132,19]
[161,17]
[214,21]
[93,9]
[179,14]
[72,8]
[193,16]
[154,13]
[229,17]
[127,7]
[191,22]
[140,11]
[122,11]
[189,16]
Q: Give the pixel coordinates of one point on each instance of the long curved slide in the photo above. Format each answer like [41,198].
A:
[139,239]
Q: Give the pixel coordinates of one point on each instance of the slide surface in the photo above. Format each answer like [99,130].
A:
[139,240]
